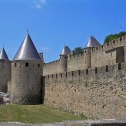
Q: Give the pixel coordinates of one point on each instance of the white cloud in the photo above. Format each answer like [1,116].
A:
[38,6]
[45,48]
[39,3]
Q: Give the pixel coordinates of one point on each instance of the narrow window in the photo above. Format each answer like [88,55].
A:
[78,72]
[38,65]
[61,74]
[119,66]
[66,74]
[26,64]
[120,39]
[113,41]
[15,64]
[56,75]
[106,68]
[48,76]
[96,70]
[72,73]
[86,71]
[52,75]
[85,51]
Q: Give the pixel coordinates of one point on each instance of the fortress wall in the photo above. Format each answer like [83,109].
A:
[100,57]
[75,62]
[95,93]
[79,62]
[51,68]
[5,74]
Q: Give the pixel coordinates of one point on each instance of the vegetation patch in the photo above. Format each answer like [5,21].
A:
[112,37]
[34,114]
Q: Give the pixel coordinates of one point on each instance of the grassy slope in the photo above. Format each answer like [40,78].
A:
[33,114]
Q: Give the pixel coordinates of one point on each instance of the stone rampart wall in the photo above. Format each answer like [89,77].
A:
[51,68]
[95,93]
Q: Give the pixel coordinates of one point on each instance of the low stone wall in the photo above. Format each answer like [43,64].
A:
[73,123]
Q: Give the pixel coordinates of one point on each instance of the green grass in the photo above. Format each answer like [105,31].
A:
[33,114]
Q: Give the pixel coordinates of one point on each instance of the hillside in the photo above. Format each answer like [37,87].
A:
[33,114]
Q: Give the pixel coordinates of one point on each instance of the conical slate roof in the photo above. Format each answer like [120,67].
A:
[66,50]
[92,42]
[27,50]
[3,55]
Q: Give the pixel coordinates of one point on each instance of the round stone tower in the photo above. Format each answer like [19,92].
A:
[5,71]
[26,74]
[63,58]
[92,42]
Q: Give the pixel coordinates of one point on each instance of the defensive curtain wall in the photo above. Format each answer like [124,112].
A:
[95,93]
[96,90]
[107,54]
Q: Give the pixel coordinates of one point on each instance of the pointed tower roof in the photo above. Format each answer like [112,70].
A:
[3,54]
[27,50]
[92,42]
[66,50]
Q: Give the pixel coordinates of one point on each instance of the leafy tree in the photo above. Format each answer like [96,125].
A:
[113,36]
[78,50]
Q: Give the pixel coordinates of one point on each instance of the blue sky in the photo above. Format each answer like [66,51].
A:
[55,23]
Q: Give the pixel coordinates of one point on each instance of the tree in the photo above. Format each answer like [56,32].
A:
[113,36]
[78,50]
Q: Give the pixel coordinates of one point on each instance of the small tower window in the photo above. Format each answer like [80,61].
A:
[78,72]
[66,74]
[96,70]
[72,73]
[106,68]
[119,66]
[15,64]
[56,75]
[26,64]
[86,71]
[38,65]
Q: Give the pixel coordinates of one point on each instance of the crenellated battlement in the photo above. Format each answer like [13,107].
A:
[53,62]
[121,41]
[102,71]
[70,56]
